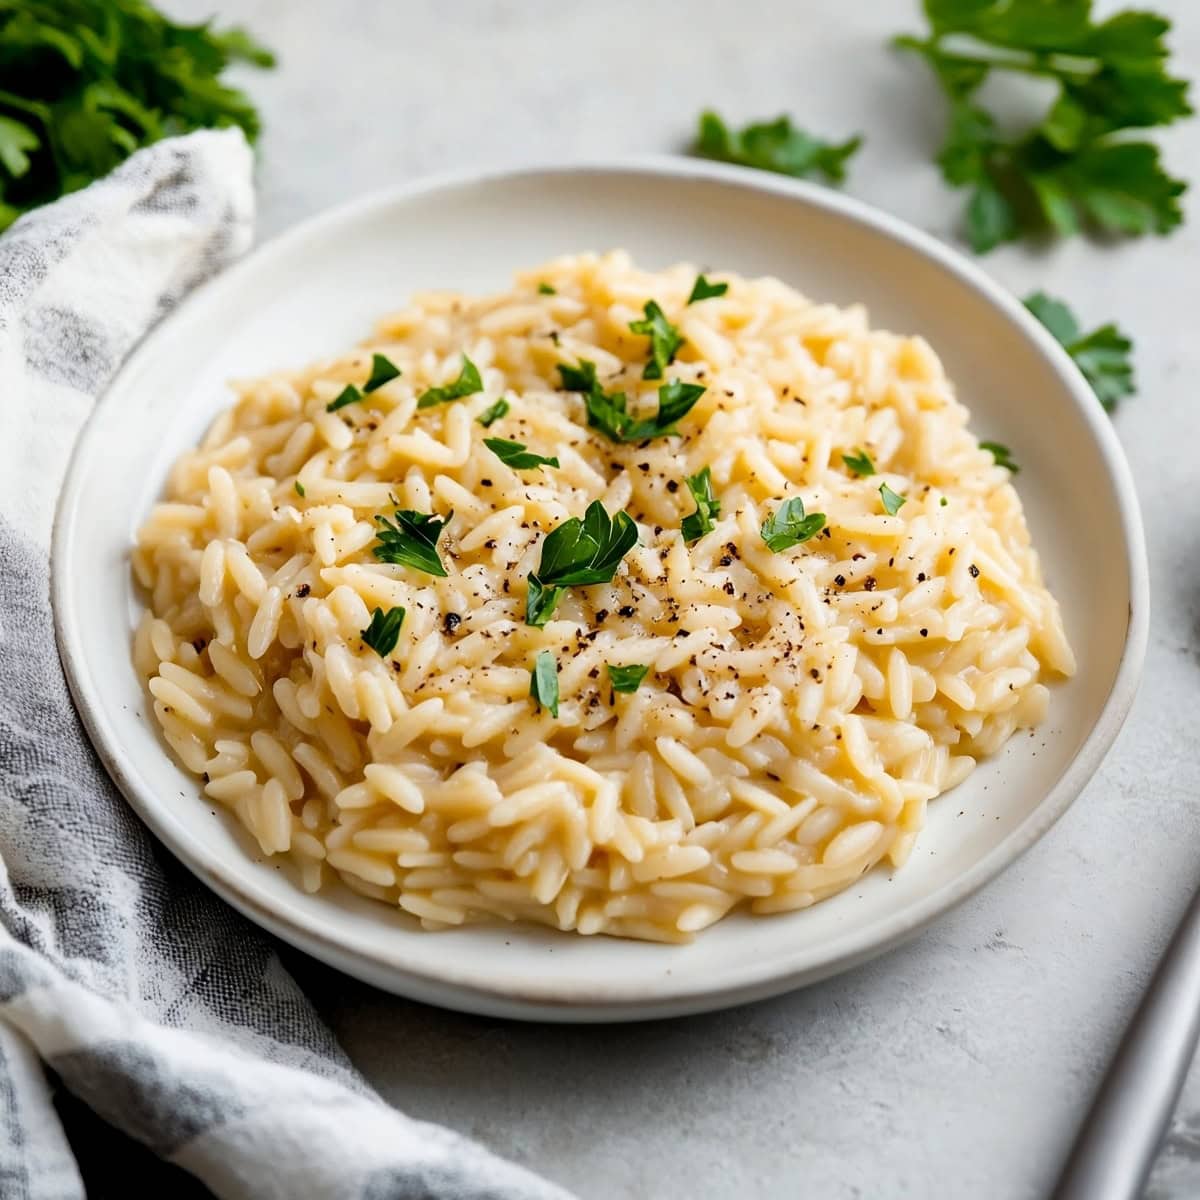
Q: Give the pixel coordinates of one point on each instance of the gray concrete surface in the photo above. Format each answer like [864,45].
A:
[960,1065]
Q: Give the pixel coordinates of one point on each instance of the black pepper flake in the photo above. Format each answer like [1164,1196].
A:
[857,557]
[974,570]
[643,466]
[485,483]
[724,560]
[840,580]
[920,576]
[626,610]
[672,485]
[490,544]
[683,633]
[594,673]
[924,632]
[869,583]
[303,591]
[602,616]
[450,622]
[815,674]
[729,589]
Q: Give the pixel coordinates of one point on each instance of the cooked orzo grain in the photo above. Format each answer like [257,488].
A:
[801,702]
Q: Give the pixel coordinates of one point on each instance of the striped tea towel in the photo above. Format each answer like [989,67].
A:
[151,1001]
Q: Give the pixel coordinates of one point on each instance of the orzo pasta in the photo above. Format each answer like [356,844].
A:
[744,691]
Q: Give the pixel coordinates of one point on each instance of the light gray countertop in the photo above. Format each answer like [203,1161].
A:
[960,1065]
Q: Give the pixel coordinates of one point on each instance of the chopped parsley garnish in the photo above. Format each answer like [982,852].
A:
[626,679]
[299,488]
[665,339]
[579,379]
[702,289]
[609,412]
[1074,167]
[384,630]
[467,384]
[788,526]
[546,290]
[577,554]
[383,370]
[491,415]
[892,501]
[1002,455]
[777,146]
[348,395]
[411,540]
[1102,355]
[859,463]
[543,682]
[708,507]
[515,455]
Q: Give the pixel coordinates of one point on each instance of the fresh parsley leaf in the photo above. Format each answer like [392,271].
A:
[665,339]
[788,526]
[626,679]
[383,370]
[546,290]
[348,395]
[515,455]
[1002,455]
[467,384]
[299,489]
[1074,168]
[384,630]
[85,83]
[491,415]
[892,501]
[1102,355]
[702,289]
[708,507]
[579,379]
[411,540]
[859,463]
[578,553]
[609,412]
[777,146]
[543,682]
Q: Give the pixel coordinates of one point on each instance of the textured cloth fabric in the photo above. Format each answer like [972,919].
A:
[153,1002]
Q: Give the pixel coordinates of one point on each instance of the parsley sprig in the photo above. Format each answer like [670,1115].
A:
[578,553]
[777,146]
[627,679]
[384,630]
[892,501]
[665,339]
[493,413]
[1002,456]
[789,525]
[1102,355]
[410,539]
[543,682]
[703,289]
[1073,169]
[859,463]
[516,455]
[467,384]
[708,507]
[86,83]
[383,370]
[609,412]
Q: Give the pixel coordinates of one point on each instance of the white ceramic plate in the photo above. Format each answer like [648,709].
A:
[320,287]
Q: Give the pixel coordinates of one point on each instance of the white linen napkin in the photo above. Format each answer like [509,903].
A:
[150,999]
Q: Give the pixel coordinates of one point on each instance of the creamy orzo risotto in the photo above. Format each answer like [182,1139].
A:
[613,601]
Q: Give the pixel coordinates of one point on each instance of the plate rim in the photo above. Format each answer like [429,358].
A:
[658,994]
